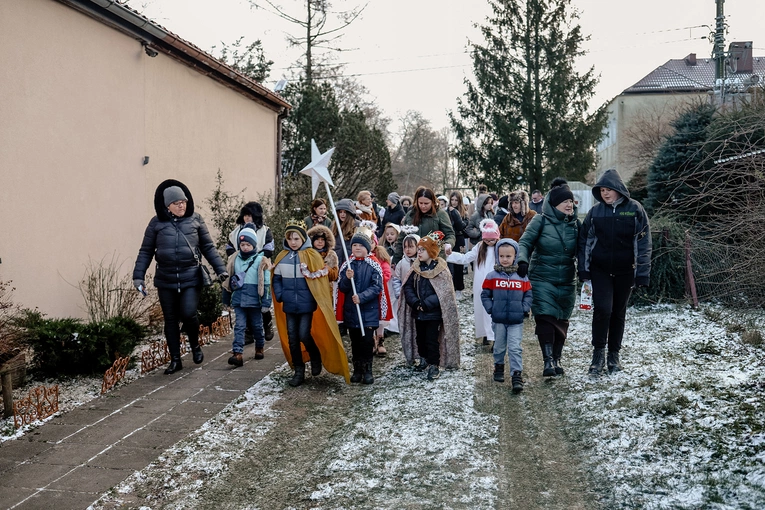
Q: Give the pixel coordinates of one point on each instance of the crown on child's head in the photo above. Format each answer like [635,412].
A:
[296,224]
[365,229]
[410,229]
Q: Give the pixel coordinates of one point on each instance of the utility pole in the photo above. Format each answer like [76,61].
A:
[718,53]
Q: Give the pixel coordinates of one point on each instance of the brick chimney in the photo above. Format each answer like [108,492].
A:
[690,60]
[740,57]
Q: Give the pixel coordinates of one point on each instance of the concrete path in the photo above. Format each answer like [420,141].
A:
[74,458]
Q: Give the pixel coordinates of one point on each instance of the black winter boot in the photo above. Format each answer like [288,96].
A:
[598,361]
[299,376]
[517,379]
[268,325]
[368,377]
[423,365]
[249,337]
[486,341]
[499,372]
[174,366]
[612,362]
[358,372]
[557,354]
[315,362]
[197,355]
[547,354]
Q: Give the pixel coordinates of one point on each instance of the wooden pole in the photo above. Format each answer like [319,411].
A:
[7,395]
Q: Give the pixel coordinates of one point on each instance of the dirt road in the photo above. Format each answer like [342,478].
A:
[462,442]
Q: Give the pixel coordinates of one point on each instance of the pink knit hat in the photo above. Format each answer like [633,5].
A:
[489,229]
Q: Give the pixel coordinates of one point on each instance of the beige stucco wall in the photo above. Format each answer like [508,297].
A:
[81,104]
[624,112]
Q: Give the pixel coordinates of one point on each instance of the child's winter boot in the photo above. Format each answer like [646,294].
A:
[499,372]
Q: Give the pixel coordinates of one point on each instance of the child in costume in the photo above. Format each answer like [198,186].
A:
[428,312]
[367,274]
[483,255]
[323,241]
[507,298]
[303,305]
[249,284]
[383,258]
[409,246]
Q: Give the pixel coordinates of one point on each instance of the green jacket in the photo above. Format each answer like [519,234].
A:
[549,247]
[430,223]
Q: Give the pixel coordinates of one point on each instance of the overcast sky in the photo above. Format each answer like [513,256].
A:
[411,54]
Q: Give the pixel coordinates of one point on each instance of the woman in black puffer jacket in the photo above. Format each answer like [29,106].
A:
[177,237]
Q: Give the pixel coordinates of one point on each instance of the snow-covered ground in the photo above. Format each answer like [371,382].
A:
[681,427]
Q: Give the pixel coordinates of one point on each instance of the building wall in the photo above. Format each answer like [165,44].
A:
[629,113]
[81,106]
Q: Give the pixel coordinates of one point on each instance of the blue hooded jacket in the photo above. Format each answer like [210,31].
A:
[506,296]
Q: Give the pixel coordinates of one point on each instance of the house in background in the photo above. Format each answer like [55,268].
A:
[98,106]
[639,117]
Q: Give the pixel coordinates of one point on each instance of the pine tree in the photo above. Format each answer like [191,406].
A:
[524,120]
[670,178]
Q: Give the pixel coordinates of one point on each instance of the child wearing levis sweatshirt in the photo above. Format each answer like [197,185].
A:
[507,299]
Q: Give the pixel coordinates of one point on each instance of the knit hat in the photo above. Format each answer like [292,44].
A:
[297,226]
[489,229]
[363,236]
[248,235]
[394,197]
[559,194]
[503,202]
[347,205]
[173,194]
[432,243]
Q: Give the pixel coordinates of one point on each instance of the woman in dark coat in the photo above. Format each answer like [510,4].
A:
[177,238]
[615,254]
[548,254]
[458,215]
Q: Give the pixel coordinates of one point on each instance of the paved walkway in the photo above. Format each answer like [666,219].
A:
[74,458]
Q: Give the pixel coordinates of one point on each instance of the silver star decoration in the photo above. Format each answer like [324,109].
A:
[317,168]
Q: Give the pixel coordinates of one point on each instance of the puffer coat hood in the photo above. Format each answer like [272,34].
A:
[480,202]
[612,180]
[255,210]
[328,235]
[503,242]
[159,200]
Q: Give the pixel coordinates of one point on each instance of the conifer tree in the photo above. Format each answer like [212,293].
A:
[524,120]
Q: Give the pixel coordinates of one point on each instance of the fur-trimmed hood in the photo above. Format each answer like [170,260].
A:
[159,200]
[328,235]
[255,210]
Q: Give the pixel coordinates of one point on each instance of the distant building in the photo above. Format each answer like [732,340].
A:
[641,114]
[98,105]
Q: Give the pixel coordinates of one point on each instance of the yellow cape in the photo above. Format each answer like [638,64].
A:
[323,324]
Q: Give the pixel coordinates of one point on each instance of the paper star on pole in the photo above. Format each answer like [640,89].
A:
[317,168]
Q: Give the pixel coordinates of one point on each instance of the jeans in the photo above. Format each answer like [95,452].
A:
[427,340]
[362,344]
[610,296]
[299,331]
[180,307]
[249,316]
[508,337]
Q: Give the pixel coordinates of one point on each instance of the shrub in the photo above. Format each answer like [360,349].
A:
[10,339]
[210,305]
[71,346]
[108,293]
[667,263]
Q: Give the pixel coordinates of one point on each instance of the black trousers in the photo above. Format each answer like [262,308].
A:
[427,340]
[610,295]
[458,276]
[362,344]
[180,307]
[299,331]
[551,330]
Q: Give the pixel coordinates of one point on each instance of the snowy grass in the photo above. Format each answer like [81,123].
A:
[683,425]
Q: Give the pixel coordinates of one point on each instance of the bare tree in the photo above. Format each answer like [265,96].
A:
[418,159]
[319,25]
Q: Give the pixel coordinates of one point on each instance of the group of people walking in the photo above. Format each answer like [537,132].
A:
[400,268]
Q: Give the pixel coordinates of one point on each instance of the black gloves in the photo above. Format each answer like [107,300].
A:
[223,277]
[523,269]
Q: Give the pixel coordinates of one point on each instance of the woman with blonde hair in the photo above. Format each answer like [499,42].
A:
[364,204]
